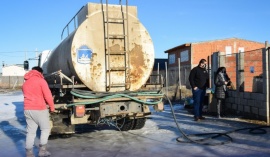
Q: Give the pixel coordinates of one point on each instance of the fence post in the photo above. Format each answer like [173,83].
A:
[166,74]
[222,59]
[240,72]
[266,79]
[9,82]
[158,74]
[179,76]
[219,60]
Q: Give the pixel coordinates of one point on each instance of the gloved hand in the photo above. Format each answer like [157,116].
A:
[53,111]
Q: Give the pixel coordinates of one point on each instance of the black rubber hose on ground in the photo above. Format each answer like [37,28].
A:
[187,138]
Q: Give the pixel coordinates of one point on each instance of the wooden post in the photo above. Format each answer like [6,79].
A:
[166,78]
[179,76]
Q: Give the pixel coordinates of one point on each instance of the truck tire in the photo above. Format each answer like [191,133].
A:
[139,123]
[61,125]
[128,124]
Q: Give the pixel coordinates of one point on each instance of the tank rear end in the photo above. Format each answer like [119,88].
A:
[96,72]
[103,53]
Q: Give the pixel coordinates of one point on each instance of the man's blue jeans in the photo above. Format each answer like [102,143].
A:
[198,97]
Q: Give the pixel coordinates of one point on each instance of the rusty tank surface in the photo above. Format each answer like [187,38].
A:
[110,49]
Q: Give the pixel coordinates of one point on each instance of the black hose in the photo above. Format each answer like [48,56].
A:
[186,138]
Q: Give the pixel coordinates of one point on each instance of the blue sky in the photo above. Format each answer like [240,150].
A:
[36,25]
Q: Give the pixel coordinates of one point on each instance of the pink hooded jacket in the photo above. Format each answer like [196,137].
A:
[36,92]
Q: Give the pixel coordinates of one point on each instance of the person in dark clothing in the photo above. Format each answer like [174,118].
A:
[199,80]
[221,82]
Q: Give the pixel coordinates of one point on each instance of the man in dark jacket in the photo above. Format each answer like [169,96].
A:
[199,79]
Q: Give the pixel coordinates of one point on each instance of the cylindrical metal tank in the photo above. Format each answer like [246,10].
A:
[83,54]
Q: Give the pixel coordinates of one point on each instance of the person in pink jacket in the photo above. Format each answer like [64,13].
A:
[37,100]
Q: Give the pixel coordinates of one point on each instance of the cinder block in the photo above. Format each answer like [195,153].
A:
[241,94]
[261,97]
[230,94]
[247,95]
[258,96]
[240,108]
[236,100]
[243,101]
[254,96]
[228,105]
[250,102]
[262,112]
[234,106]
[261,104]
[247,109]
[232,100]
[234,94]
[255,110]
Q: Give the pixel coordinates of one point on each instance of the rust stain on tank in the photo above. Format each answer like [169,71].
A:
[73,51]
[116,60]
[115,47]
[137,62]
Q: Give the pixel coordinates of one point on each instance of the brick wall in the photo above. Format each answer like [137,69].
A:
[252,69]
[199,50]
[205,49]
[252,61]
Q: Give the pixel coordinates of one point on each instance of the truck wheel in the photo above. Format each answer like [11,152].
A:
[61,125]
[128,124]
[139,123]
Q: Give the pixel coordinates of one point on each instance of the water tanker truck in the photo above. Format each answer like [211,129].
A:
[97,72]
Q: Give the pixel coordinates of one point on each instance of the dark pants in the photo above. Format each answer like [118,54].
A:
[198,97]
[220,107]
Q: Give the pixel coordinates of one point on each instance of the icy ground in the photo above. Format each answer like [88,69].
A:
[156,139]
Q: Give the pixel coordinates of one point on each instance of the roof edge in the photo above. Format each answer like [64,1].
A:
[183,45]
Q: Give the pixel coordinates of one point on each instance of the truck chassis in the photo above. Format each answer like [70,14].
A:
[76,104]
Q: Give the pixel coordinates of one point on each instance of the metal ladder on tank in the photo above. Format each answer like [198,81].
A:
[122,22]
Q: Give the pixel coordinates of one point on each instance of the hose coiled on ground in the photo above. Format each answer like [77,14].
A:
[185,138]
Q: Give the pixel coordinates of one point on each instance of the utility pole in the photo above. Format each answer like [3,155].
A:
[25,55]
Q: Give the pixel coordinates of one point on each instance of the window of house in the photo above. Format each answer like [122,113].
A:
[171,58]
[241,49]
[184,56]
[228,50]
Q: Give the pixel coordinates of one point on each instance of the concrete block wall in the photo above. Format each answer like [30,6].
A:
[248,104]
[11,81]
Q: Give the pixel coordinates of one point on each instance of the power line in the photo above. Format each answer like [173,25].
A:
[12,55]
[17,51]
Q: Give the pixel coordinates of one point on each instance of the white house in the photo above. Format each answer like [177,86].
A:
[13,70]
